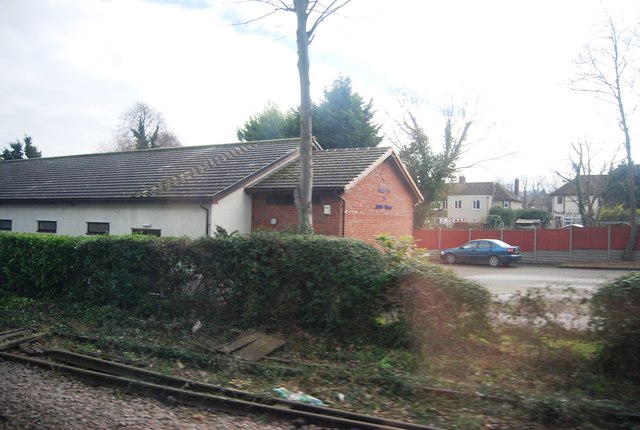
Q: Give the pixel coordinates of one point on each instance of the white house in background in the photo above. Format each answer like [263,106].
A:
[469,202]
[564,200]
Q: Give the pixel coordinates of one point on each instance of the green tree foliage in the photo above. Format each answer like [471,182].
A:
[508,216]
[530,213]
[429,169]
[615,213]
[617,191]
[17,151]
[271,123]
[343,119]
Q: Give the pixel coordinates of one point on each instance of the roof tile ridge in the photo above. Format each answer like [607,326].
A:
[172,181]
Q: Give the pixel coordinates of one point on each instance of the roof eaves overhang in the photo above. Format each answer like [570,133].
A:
[110,200]
[257,176]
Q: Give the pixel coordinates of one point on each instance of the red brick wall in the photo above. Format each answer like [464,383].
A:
[287,219]
[380,203]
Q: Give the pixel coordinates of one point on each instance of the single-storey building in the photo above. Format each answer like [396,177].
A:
[188,191]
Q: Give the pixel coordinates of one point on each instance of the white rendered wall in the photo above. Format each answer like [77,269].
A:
[171,219]
[233,213]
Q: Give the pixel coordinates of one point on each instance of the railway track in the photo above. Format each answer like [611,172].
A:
[187,392]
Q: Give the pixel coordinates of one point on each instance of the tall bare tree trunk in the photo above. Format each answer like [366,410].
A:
[633,204]
[305,184]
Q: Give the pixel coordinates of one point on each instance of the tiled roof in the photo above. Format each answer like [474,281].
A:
[332,169]
[594,183]
[482,189]
[184,172]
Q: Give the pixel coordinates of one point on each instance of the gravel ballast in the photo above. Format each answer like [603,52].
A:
[33,398]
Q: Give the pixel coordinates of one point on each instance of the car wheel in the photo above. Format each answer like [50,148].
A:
[494,261]
[451,259]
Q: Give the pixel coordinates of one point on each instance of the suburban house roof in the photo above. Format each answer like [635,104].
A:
[497,191]
[336,169]
[595,183]
[184,172]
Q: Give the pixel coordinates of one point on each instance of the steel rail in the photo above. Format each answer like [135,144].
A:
[279,408]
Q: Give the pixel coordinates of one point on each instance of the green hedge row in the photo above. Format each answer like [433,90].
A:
[317,283]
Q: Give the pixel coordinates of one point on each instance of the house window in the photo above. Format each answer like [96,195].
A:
[148,231]
[444,205]
[5,224]
[476,205]
[94,228]
[457,204]
[559,200]
[505,204]
[47,226]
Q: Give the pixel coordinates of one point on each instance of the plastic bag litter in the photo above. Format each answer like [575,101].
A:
[298,396]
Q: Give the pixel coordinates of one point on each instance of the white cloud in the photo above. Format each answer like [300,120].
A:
[70,68]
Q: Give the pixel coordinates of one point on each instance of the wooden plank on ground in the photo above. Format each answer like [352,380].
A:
[261,347]
[16,342]
[13,333]
[240,342]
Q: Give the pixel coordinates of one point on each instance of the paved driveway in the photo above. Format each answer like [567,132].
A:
[520,277]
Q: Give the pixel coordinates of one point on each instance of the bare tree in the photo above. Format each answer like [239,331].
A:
[429,165]
[606,71]
[309,14]
[589,181]
[142,127]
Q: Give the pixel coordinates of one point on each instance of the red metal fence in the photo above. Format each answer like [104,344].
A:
[587,238]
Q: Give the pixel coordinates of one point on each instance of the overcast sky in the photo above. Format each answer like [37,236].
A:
[70,68]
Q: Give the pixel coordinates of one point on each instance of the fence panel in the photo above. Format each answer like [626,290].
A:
[539,241]
[525,239]
[553,240]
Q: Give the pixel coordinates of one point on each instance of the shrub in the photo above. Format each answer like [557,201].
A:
[440,308]
[35,266]
[616,319]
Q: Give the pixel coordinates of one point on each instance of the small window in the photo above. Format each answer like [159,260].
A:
[457,204]
[559,200]
[506,204]
[5,224]
[149,231]
[47,226]
[94,228]
[444,205]
[476,205]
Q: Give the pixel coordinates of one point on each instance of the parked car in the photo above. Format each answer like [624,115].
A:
[492,251]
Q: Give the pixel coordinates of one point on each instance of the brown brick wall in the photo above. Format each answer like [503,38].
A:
[380,203]
[286,217]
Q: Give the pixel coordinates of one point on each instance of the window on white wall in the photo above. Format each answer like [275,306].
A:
[97,228]
[444,205]
[457,204]
[476,205]
[505,204]
[6,224]
[47,226]
[148,231]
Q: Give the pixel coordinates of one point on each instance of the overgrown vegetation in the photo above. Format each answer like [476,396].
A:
[387,332]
